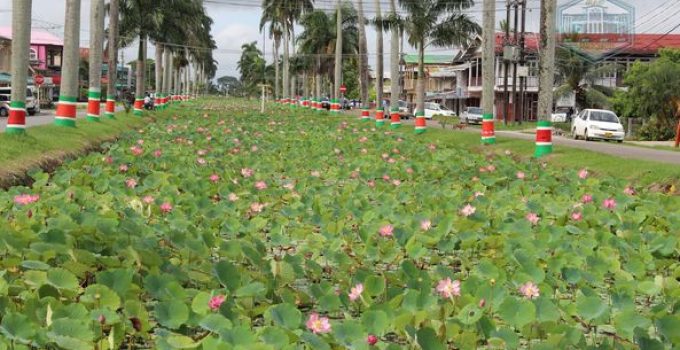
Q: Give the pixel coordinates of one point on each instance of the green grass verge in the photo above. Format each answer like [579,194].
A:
[19,153]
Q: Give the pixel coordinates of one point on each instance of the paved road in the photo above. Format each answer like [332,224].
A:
[46,116]
[615,149]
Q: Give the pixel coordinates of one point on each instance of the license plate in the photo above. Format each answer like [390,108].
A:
[608,134]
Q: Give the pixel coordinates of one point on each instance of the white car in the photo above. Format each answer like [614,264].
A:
[472,115]
[32,103]
[597,124]
[432,109]
[560,115]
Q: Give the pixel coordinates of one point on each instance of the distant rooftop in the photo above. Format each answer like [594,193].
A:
[38,37]
[429,59]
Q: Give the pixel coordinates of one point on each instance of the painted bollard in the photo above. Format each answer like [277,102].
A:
[421,124]
[395,118]
[139,106]
[544,144]
[365,114]
[488,132]
[379,117]
[94,105]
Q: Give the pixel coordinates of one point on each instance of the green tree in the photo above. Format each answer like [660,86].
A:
[576,74]
[251,65]
[439,23]
[653,91]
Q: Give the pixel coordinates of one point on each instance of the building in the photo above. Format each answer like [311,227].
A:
[436,80]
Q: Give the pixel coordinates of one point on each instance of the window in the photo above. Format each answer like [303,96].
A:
[33,54]
[606,117]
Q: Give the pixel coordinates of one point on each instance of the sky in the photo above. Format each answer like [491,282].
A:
[236,25]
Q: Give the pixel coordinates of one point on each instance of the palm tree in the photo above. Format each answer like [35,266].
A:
[546,77]
[275,33]
[379,69]
[338,56]
[394,23]
[21,29]
[68,90]
[113,57]
[439,23]
[250,66]
[363,61]
[96,52]
[488,57]
[577,75]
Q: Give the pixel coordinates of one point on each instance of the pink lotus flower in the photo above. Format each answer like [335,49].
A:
[247,172]
[136,150]
[24,199]
[396,182]
[447,288]
[629,191]
[409,171]
[577,216]
[355,292]
[370,183]
[140,142]
[371,340]
[108,160]
[147,199]
[261,185]
[491,168]
[256,207]
[479,194]
[609,203]
[529,290]
[201,161]
[363,139]
[482,303]
[386,177]
[253,148]
[157,153]
[131,183]
[354,174]
[232,197]
[520,175]
[386,231]
[315,173]
[391,160]
[583,174]
[364,151]
[202,152]
[123,168]
[166,207]
[586,199]
[533,218]
[318,325]
[214,178]
[425,225]
[215,302]
[468,210]
[432,147]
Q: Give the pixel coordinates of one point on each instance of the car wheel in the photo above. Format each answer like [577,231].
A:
[3,112]
[585,135]
[32,113]
[619,141]
[574,135]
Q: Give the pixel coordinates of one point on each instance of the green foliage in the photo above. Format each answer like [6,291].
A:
[95,263]
[653,93]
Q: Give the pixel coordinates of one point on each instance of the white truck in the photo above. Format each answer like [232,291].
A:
[32,103]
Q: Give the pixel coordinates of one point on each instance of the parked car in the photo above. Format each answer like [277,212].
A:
[4,105]
[405,109]
[600,124]
[32,104]
[432,109]
[562,115]
[472,115]
[326,103]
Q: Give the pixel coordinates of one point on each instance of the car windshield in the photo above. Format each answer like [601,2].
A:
[443,108]
[29,93]
[431,106]
[475,110]
[606,117]
[403,104]
[562,109]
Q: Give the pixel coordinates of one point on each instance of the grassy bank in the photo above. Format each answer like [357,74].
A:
[52,144]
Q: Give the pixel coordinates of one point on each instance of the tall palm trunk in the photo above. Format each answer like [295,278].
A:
[277,69]
[140,76]
[338,54]
[379,69]
[167,79]
[68,90]
[293,76]
[420,89]
[488,71]
[394,70]
[286,63]
[159,72]
[187,69]
[96,53]
[113,59]
[363,59]
[21,29]
[546,77]
[317,79]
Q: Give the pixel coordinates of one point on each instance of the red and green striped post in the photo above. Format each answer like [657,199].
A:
[335,106]
[544,145]
[110,107]
[365,114]
[488,132]
[379,117]
[139,106]
[395,118]
[66,112]
[421,124]
[94,96]
[16,122]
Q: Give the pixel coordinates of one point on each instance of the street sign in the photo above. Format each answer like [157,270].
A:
[343,88]
[39,79]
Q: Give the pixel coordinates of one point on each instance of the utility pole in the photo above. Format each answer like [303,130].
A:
[21,27]
[338,57]
[488,71]
[546,71]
